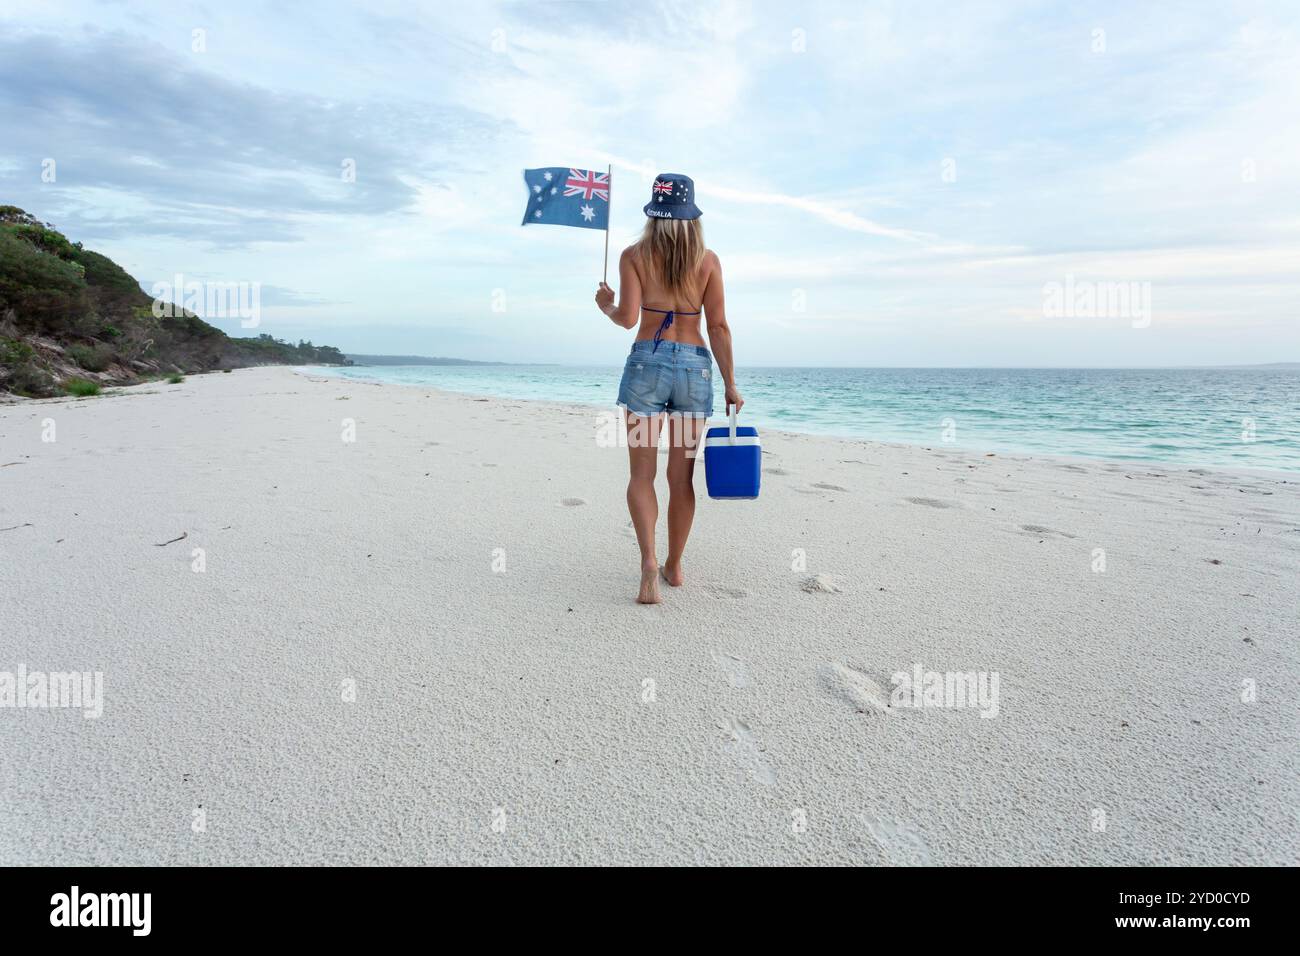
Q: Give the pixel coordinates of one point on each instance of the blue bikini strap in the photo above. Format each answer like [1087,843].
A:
[663,326]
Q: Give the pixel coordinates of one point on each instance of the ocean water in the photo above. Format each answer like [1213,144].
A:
[1239,418]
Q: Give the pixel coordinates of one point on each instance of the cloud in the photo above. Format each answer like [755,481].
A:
[144,140]
[825,211]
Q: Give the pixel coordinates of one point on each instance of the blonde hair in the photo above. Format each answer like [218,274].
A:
[672,251]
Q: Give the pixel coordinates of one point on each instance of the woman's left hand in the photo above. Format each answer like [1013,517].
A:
[604,298]
[733,398]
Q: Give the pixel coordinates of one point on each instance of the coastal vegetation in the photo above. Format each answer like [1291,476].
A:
[72,318]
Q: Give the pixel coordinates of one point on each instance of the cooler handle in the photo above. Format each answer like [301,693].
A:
[732,411]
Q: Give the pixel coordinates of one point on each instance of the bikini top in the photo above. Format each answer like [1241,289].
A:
[663,326]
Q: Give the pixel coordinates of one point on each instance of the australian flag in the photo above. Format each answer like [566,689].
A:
[563,196]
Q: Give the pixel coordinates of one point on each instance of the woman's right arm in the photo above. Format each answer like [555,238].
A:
[715,314]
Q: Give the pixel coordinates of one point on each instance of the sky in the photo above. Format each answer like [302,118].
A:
[885,184]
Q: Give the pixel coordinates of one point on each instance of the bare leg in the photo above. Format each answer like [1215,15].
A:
[643,455]
[684,439]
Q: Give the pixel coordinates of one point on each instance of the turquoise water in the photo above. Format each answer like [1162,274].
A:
[1240,418]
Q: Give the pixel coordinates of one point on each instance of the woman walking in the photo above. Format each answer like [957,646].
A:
[666,279]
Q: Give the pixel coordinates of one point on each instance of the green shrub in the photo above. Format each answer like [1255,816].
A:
[46,293]
[111,287]
[175,378]
[31,380]
[80,387]
[16,216]
[93,358]
[13,352]
[45,239]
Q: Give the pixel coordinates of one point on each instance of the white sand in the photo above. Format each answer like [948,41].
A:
[524,690]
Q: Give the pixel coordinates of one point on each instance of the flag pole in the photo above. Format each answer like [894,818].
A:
[609,176]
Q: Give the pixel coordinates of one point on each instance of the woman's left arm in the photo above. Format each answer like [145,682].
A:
[628,310]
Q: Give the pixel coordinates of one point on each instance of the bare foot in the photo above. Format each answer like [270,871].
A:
[649,593]
[673,575]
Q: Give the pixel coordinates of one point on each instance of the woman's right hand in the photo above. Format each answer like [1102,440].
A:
[604,298]
[733,398]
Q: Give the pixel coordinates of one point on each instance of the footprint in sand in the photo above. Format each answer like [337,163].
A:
[775,471]
[901,843]
[1039,529]
[745,749]
[855,687]
[826,486]
[820,584]
[932,502]
[572,502]
[735,669]
[719,590]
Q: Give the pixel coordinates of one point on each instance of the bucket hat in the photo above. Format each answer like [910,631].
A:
[672,196]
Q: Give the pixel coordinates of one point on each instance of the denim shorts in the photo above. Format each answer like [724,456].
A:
[674,378]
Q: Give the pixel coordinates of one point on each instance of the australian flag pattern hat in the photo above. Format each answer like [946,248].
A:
[672,196]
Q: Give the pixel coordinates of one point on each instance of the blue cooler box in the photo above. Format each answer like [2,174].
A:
[733,461]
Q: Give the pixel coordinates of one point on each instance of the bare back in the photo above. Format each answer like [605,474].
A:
[685,328]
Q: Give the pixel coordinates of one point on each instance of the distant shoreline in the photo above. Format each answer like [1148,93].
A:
[412,360]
